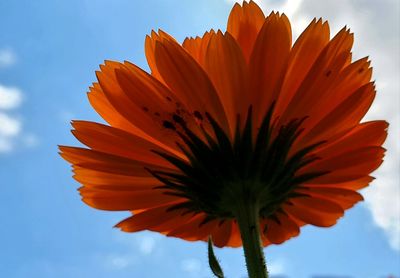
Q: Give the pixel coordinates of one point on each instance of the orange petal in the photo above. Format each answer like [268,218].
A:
[103,162]
[244,23]
[98,178]
[116,200]
[144,90]
[193,229]
[352,184]
[363,135]
[268,63]
[118,142]
[197,47]
[130,109]
[108,112]
[186,230]
[341,119]
[348,166]
[235,239]
[154,98]
[291,227]
[150,43]
[302,57]
[150,218]
[265,241]
[170,223]
[347,82]
[321,76]
[205,230]
[222,233]
[227,69]
[113,117]
[346,198]
[280,229]
[185,77]
[315,211]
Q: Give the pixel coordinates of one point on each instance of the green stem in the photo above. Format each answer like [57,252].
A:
[247,217]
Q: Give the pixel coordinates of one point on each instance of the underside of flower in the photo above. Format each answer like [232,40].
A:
[220,173]
[230,120]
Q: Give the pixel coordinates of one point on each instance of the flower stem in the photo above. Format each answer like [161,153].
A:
[247,216]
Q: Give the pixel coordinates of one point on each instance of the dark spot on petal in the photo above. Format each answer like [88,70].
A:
[168,98]
[360,70]
[145,109]
[328,73]
[157,114]
[169,125]
[178,119]
[198,115]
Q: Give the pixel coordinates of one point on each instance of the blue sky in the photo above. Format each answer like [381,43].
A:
[49,50]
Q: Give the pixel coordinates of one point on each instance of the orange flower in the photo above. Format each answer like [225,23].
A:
[227,118]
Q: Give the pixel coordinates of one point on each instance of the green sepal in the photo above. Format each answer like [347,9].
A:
[213,262]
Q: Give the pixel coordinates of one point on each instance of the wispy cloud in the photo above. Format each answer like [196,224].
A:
[382,198]
[191,265]
[10,126]
[30,140]
[194,268]
[276,267]
[146,244]
[119,261]
[5,145]
[10,97]
[137,248]
[7,57]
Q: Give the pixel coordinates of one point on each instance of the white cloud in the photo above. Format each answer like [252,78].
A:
[191,266]
[66,115]
[146,244]
[9,127]
[276,267]
[10,100]
[7,57]
[5,145]
[382,198]
[119,262]
[30,140]
[10,97]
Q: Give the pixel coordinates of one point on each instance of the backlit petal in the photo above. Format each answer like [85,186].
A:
[244,23]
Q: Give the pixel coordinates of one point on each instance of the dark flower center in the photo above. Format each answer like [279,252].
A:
[220,172]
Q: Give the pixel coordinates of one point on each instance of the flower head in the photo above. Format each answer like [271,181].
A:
[231,118]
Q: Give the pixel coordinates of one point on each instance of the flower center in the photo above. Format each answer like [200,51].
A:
[221,171]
